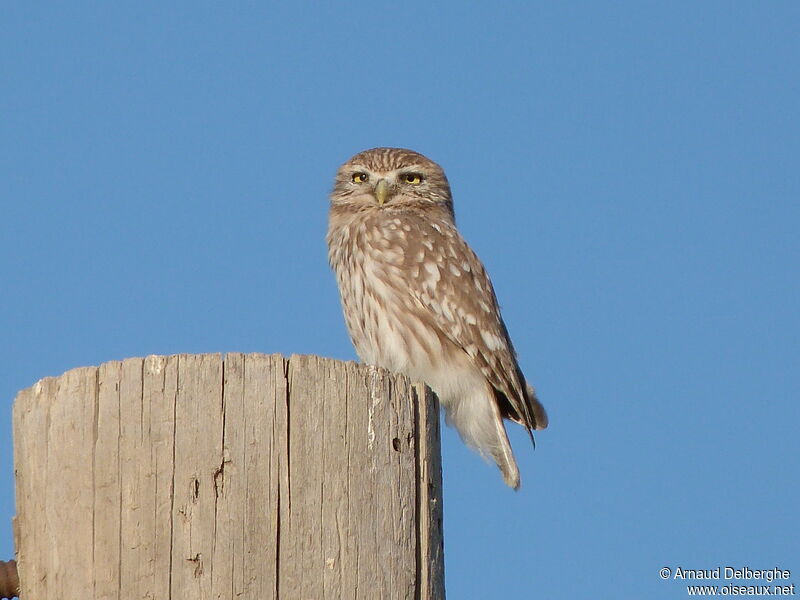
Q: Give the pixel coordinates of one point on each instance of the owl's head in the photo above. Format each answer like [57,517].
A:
[391,178]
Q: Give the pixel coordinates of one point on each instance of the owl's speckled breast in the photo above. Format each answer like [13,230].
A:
[374,260]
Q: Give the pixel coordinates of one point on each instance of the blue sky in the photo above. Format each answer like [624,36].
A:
[628,172]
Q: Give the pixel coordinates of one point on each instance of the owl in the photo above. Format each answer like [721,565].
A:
[418,301]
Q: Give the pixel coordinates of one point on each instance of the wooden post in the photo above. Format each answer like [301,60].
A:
[252,477]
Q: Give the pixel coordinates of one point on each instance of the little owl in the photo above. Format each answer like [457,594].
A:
[418,301]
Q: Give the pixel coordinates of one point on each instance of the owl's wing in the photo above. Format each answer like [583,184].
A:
[450,282]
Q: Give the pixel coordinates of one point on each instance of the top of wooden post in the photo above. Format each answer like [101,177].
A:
[248,476]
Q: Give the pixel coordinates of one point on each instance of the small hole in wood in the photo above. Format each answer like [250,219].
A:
[396,444]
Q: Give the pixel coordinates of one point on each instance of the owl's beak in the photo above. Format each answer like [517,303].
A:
[382,191]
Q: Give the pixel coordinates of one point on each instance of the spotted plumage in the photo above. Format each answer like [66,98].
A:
[418,301]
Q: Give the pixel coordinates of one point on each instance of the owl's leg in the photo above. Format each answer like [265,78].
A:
[501,450]
[477,418]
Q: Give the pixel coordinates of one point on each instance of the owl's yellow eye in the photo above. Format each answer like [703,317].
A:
[359,177]
[412,178]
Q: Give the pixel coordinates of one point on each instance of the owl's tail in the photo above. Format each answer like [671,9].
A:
[539,413]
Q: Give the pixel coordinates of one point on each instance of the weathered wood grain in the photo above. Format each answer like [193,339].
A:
[252,476]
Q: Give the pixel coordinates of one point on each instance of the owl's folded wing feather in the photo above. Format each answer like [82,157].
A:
[449,281]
